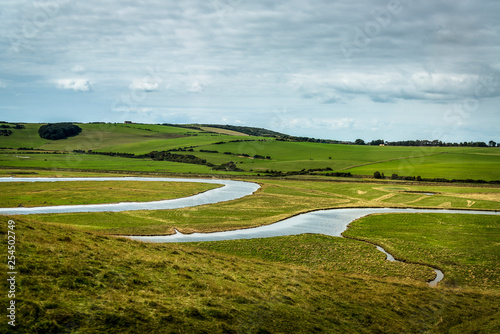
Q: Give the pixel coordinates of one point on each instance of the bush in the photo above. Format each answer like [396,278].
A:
[54,131]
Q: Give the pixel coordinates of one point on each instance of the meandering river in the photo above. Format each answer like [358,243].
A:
[231,190]
[329,222]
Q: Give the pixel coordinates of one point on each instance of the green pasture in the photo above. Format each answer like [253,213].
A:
[465,247]
[287,156]
[29,194]
[27,137]
[96,162]
[321,252]
[427,162]
[462,164]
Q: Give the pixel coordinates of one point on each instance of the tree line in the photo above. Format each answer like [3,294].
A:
[439,143]
[378,175]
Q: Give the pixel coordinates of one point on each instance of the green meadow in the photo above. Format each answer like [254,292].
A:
[474,163]
[32,194]
[78,274]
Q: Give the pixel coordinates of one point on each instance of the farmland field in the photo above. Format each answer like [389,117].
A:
[474,163]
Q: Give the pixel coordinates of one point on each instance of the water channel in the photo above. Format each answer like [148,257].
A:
[328,222]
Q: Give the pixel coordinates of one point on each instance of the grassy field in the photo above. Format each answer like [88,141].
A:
[459,164]
[98,163]
[465,247]
[29,194]
[427,162]
[78,282]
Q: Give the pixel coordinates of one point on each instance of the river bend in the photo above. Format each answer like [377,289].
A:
[328,222]
[231,190]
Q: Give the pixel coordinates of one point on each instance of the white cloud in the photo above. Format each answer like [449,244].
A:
[145,85]
[78,69]
[78,85]
[315,123]
[390,85]
[2,84]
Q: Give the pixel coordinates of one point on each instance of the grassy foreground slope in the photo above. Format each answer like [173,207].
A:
[72,281]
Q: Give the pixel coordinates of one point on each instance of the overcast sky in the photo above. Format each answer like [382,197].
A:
[397,69]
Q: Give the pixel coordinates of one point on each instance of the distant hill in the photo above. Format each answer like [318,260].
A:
[251,131]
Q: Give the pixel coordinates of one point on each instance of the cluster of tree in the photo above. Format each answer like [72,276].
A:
[426,143]
[209,151]
[309,140]
[228,167]
[236,141]
[111,154]
[439,143]
[378,175]
[54,131]
[7,125]
[168,156]
[256,156]
[311,171]
[339,174]
[5,128]
[376,142]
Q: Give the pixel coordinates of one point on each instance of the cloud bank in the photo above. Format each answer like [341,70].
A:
[394,63]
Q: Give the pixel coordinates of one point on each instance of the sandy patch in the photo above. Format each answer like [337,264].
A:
[495,197]
[470,203]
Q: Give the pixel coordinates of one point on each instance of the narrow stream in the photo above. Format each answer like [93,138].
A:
[439,274]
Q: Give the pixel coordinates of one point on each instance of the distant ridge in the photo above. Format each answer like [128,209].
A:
[251,131]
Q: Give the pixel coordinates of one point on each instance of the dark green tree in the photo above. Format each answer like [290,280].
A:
[54,131]
[359,142]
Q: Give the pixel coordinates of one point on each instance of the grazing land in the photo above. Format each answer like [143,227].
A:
[77,275]
[29,194]
[253,155]
[465,247]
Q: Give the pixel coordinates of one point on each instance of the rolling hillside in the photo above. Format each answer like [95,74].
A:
[118,144]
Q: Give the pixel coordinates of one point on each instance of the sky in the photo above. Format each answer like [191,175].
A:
[392,70]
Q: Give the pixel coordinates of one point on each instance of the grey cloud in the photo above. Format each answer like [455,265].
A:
[237,54]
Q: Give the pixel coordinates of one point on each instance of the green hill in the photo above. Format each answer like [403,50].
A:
[254,151]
